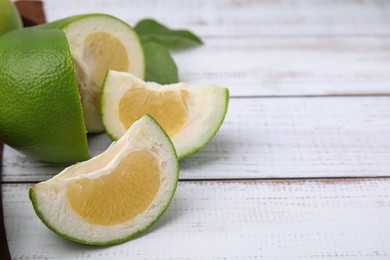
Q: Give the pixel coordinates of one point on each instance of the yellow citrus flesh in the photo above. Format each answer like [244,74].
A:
[169,108]
[93,164]
[101,52]
[99,60]
[119,196]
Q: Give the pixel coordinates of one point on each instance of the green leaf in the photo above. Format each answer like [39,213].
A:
[160,66]
[151,30]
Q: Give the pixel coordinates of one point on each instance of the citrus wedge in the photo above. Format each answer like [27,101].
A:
[99,42]
[116,195]
[191,115]
[40,109]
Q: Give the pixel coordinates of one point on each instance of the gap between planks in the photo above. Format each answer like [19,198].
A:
[274,138]
[4,250]
[335,95]
[243,180]
[242,18]
[297,36]
[272,220]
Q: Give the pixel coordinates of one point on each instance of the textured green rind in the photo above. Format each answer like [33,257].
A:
[214,132]
[9,17]
[63,23]
[33,198]
[40,107]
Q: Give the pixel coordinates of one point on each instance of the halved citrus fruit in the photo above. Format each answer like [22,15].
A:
[99,42]
[191,115]
[40,108]
[41,113]
[116,195]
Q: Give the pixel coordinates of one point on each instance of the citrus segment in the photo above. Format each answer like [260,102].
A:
[127,192]
[99,42]
[169,108]
[98,60]
[135,180]
[191,115]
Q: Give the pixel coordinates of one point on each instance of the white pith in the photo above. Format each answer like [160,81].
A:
[207,106]
[51,198]
[76,33]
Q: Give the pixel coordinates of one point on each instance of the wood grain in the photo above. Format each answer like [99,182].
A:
[290,66]
[4,250]
[255,48]
[233,220]
[273,138]
[244,17]
[272,55]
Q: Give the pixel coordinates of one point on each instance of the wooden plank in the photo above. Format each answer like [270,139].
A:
[244,17]
[273,138]
[290,66]
[233,220]
[4,251]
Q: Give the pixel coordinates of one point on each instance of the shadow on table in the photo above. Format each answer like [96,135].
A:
[216,151]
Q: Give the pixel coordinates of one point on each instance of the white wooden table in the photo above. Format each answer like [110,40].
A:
[299,170]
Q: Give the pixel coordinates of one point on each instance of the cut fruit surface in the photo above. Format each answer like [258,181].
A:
[99,42]
[191,115]
[115,195]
